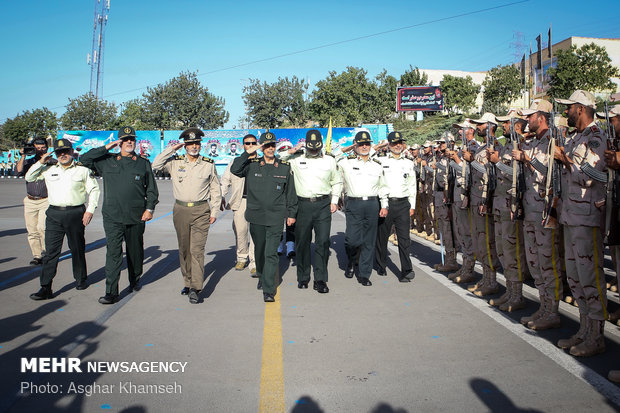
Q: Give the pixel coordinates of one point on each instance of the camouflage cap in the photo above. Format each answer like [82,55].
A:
[613,111]
[582,97]
[488,117]
[537,106]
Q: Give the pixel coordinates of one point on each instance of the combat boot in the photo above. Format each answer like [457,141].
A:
[467,275]
[594,342]
[497,302]
[579,336]
[516,300]
[550,318]
[452,276]
[450,263]
[537,314]
[491,286]
[614,317]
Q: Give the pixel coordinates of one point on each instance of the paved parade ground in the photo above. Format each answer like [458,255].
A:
[428,345]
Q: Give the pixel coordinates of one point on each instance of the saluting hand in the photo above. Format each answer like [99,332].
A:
[178,146]
[251,149]
[86,218]
[147,216]
[45,157]
[113,144]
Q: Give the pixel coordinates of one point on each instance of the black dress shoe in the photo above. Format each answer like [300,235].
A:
[290,255]
[36,261]
[259,285]
[404,279]
[268,298]
[302,284]
[45,293]
[193,296]
[364,281]
[410,275]
[108,299]
[349,271]
[135,287]
[321,287]
[185,291]
[82,285]
[381,272]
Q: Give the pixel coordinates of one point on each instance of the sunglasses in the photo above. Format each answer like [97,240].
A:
[269,145]
[62,152]
[363,144]
[250,143]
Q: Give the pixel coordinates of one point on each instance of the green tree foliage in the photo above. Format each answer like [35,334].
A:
[88,112]
[384,108]
[133,114]
[459,93]
[183,102]
[281,103]
[431,128]
[413,77]
[588,67]
[502,85]
[29,124]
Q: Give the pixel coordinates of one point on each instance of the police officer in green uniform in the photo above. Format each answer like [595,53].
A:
[271,198]
[130,196]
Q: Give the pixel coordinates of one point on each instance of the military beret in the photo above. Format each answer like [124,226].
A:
[126,132]
[395,137]
[191,135]
[362,137]
[267,138]
[314,140]
[61,144]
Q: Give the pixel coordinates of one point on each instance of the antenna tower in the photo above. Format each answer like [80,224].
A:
[95,57]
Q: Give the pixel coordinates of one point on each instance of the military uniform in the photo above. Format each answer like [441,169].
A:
[129,190]
[196,189]
[400,178]
[68,189]
[426,193]
[318,184]
[271,199]
[366,193]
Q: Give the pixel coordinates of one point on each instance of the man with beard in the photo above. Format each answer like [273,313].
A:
[197,194]
[69,183]
[366,201]
[400,179]
[583,196]
[129,198]
[271,200]
[318,185]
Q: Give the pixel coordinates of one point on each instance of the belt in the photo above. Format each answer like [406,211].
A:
[313,198]
[363,198]
[191,204]
[65,208]
[398,199]
[36,198]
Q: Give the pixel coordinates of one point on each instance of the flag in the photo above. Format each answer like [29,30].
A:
[328,139]
[531,63]
[549,44]
[523,69]
[539,44]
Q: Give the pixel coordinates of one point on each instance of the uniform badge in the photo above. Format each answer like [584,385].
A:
[137,178]
[127,130]
[594,144]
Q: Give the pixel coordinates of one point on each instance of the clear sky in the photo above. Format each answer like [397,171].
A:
[45,43]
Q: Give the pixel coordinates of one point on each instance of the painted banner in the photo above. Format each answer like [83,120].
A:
[424,98]
[148,142]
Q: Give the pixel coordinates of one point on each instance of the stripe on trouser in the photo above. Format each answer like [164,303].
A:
[486,234]
[555,271]
[597,275]
[272,371]
[518,253]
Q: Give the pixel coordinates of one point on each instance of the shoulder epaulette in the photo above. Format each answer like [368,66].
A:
[179,157]
[254,160]
[376,160]
[351,156]
[284,162]
[80,164]
[381,155]
[204,158]
[330,154]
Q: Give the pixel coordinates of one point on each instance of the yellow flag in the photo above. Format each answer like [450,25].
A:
[328,140]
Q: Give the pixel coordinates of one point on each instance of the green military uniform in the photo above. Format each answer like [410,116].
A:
[271,198]
[129,189]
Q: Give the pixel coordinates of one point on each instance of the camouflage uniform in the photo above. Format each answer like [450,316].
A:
[442,214]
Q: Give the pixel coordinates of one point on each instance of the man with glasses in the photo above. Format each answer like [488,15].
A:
[197,194]
[366,201]
[238,204]
[69,183]
[271,200]
[130,195]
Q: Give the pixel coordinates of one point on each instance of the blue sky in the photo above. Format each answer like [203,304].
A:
[45,43]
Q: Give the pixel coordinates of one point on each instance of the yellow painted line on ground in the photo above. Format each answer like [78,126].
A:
[272,371]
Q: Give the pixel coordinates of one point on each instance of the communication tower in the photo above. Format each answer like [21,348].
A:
[95,57]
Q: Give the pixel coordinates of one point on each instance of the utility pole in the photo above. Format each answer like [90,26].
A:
[95,57]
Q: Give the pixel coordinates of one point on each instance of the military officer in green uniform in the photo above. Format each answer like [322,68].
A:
[318,185]
[130,196]
[271,200]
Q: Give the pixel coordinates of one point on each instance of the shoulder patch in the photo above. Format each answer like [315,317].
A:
[179,157]
[80,164]
[204,158]
[352,157]
[376,160]
[594,144]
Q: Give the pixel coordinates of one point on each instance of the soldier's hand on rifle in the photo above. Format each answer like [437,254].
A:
[560,155]
[520,155]
[493,156]
[468,156]
[612,158]
[423,163]
[434,165]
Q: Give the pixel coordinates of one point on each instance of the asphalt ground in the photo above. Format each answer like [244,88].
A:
[428,345]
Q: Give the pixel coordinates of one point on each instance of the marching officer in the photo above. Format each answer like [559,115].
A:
[197,194]
[271,200]
[129,198]
[68,183]
[318,185]
[583,189]
[366,201]
[400,178]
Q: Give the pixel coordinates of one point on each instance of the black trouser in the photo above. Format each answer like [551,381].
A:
[398,215]
[266,239]
[361,232]
[61,221]
[313,215]
[115,232]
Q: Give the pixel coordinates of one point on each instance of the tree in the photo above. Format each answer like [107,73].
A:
[588,67]
[413,77]
[36,123]
[133,114]
[280,103]
[183,102]
[88,112]
[459,93]
[384,106]
[502,85]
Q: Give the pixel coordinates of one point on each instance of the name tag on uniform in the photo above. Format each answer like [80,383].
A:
[137,178]
[54,175]
[355,168]
[276,176]
[385,166]
[259,175]
[302,163]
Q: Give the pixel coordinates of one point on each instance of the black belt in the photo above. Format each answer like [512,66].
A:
[398,199]
[65,208]
[313,198]
[363,198]
[191,204]
[36,198]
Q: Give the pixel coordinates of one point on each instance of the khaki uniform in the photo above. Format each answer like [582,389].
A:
[196,188]
[426,194]
[35,205]
[442,207]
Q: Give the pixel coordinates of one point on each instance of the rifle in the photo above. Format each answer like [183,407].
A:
[553,186]
[612,230]
[487,202]
[448,191]
[466,172]
[518,179]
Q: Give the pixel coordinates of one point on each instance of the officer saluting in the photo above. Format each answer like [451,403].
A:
[271,199]
[400,178]
[366,202]
[318,185]
[196,188]
[129,198]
